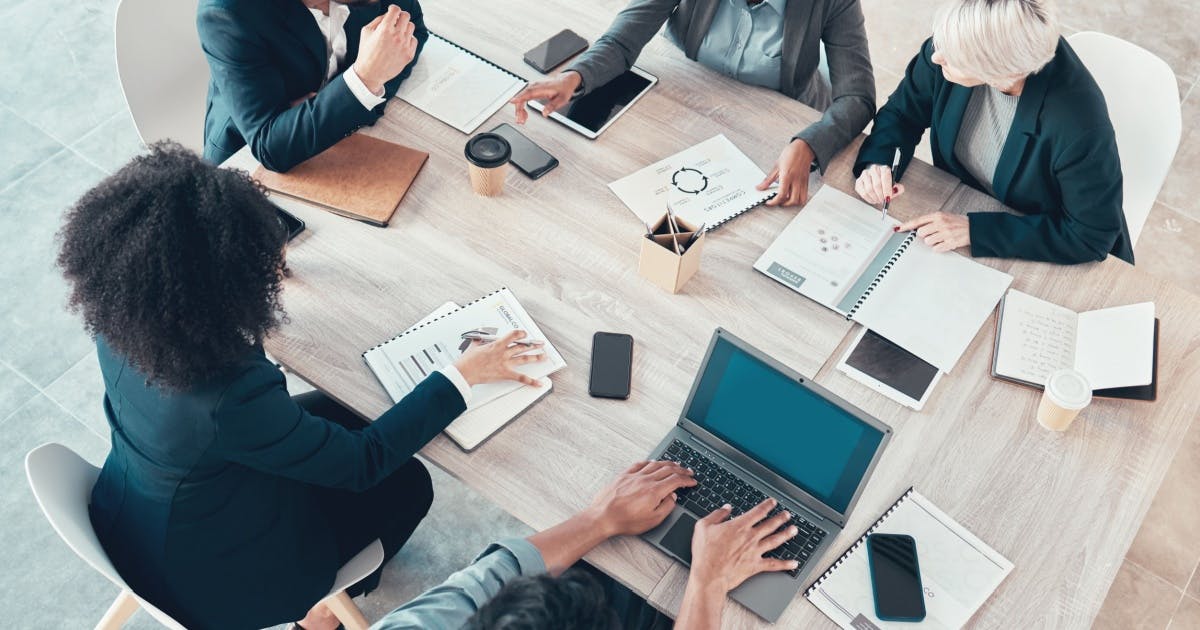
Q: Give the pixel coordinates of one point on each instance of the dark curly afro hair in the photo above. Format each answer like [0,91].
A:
[176,263]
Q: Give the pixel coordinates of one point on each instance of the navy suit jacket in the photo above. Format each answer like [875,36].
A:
[206,504]
[265,54]
[1059,165]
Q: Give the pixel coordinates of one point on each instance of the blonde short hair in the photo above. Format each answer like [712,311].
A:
[997,41]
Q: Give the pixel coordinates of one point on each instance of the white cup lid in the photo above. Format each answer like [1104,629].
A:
[1069,389]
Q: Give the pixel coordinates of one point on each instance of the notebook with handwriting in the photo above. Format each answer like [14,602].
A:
[360,177]
[1113,347]
[959,572]
[843,254]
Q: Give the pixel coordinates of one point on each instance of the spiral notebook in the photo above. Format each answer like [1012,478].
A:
[707,184]
[843,254]
[457,86]
[959,572]
[405,360]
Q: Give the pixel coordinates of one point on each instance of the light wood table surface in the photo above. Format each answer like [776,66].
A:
[1063,508]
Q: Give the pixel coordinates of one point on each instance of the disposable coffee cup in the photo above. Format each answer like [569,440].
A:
[1067,393]
[487,163]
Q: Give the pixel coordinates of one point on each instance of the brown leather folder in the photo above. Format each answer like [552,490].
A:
[360,177]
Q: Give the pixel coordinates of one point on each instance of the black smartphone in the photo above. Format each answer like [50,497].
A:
[552,52]
[612,365]
[291,222]
[528,157]
[895,577]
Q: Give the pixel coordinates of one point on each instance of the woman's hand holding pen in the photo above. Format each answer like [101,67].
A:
[875,185]
[485,362]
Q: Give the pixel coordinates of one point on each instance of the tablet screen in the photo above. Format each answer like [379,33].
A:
[892,365]
[593,110]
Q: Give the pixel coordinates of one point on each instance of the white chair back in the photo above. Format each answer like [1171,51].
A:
[62,484]
[1143,103]
[163,71]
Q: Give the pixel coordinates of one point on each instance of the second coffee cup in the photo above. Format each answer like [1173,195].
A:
[487,163]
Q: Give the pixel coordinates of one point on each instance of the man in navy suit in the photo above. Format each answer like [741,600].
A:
[292,77]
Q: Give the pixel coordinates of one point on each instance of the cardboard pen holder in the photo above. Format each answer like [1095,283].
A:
[660,264]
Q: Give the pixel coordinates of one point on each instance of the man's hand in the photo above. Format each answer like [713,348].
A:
[498,360]
[941,230]
[726,553]
[791,170]
[386,47]
[639,498]
[553,92]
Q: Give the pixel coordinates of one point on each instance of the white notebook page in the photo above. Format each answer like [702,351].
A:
[933,304]
[457,87]
[1114,347]
[1036,338]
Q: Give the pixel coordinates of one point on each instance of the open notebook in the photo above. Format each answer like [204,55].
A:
[959,572]
[456,86]
[1113,347]
[841,252]
[435,342]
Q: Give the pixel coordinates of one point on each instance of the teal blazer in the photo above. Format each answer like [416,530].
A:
[265,54]
[205,503]
[1059,166]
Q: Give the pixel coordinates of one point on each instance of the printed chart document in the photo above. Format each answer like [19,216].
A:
[405,360]
[457,86]
[843,254]
[474,426]
[709,184]
[1112,347]
[959,572]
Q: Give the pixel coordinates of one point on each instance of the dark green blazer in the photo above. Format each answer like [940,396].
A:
[206,501]
[1059,166]
[265,54]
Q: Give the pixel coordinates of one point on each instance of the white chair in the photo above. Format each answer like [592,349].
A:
[1143,103]
[163,71]
[62,484]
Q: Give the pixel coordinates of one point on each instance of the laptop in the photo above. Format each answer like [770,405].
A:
[751,429]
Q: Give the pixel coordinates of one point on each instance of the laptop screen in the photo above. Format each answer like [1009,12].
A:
[782,424]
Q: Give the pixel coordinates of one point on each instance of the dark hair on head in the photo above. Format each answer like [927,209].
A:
[176,263]
[574,601]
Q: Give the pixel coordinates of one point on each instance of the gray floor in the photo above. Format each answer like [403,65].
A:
[63,127]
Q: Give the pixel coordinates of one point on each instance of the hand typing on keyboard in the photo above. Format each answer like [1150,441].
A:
[640,497]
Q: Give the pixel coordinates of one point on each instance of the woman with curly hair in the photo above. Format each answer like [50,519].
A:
[224,501]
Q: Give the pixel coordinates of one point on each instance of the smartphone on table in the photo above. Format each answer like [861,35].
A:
[290,222]
[612,365]
[895,577]
[547,55]
[528,157]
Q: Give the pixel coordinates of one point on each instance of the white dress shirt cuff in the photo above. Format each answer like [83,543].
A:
[460,383]
[360,91]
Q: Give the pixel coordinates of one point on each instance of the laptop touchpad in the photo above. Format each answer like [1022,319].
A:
[678,539]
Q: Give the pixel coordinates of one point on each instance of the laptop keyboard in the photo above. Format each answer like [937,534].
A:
[717,486]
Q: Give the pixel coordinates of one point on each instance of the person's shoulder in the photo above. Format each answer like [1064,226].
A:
[239,10]
[1074,102]
[249,378]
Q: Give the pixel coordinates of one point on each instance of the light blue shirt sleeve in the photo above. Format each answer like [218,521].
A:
[449,605]
[746,42]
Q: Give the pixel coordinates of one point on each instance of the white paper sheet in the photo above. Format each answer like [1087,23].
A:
[1114,347]
[933,304]
[708,183]
[403,362]
[1036,338]
[457,87]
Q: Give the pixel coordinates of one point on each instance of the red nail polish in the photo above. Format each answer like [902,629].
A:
[895,189]
[895,228]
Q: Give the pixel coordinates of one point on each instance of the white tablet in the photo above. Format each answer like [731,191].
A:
[890,370]
[593,112]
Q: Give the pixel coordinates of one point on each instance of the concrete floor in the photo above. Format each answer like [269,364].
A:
[64,126]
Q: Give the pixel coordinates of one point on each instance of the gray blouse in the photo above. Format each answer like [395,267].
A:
[985,127]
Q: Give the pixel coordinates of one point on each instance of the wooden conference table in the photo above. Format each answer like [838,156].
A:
[1063,507]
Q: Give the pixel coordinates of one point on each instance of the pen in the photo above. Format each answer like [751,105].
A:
[695,235]
[887,201]
[490,338]
[674,230]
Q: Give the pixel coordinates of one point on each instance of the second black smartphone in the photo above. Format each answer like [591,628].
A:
[895,577]
[528,157]
[612,365]
[548,54]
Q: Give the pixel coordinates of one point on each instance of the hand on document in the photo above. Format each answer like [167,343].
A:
[485,362]
[791,170]
[942,231]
